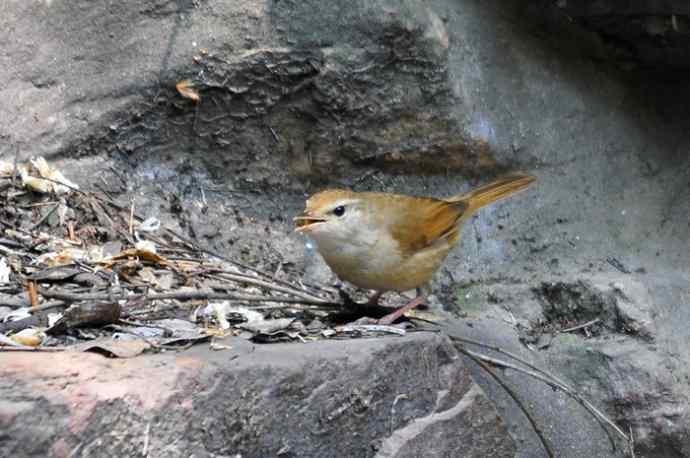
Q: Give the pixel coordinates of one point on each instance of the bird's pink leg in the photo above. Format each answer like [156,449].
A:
[400,311]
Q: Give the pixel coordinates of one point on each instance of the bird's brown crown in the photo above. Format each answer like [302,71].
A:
[324,199]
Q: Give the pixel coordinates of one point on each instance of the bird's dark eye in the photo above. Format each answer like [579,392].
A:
[339,210]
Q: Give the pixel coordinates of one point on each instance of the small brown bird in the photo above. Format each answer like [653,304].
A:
[393,242]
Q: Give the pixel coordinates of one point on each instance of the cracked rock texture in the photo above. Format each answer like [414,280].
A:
[397,95]
[370,397]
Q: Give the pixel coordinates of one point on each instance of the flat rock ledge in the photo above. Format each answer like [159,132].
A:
[386,397]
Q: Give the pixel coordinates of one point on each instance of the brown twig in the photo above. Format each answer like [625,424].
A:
[48,305]
[33,293]
[70,232]
[178,295]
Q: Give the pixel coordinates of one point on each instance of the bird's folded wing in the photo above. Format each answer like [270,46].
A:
[427,222]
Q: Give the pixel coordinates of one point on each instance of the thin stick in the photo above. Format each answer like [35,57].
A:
[14,169]
[145,451]
[602,419]
[201,249]
[269,285]
[4,249]
[38,204]
[70,231]
[596,413]
[44,217]
[581,326]
[371,328]
[509,354]
[48,305]
[632,442]
[178,295]
[513,395]
[131,218]
[209,252]
[36,349]
[72,188]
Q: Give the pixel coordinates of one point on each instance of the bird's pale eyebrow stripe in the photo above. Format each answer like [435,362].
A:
[342,203]
[323,205]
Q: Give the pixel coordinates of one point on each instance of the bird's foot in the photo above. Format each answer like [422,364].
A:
[374,300]
[391,317]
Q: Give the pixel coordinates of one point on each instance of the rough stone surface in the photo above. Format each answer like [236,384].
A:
[372,397]
[423,98]
[640,34]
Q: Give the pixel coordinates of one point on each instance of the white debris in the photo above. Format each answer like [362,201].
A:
[19,314]
[146,246]
[4,271]
[219,310]
[150,225]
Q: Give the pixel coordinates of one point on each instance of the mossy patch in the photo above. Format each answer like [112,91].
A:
[468,300]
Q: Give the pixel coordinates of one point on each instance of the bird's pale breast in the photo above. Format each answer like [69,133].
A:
[384,268]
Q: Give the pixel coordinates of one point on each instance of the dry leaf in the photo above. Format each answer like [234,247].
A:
[267,326]
[53,174]
[67,256]
[6,169]
[56,181]
[144,255]
[34,183]
[114,348]
[29,337]
[8,342]
[59,273]
[186,89]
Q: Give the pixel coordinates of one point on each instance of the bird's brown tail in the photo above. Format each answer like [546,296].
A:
[491,192]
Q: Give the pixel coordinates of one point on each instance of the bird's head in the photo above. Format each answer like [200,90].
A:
[334,216]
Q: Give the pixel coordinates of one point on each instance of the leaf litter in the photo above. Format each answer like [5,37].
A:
[80,271]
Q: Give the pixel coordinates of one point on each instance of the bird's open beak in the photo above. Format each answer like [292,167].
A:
[305,222]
